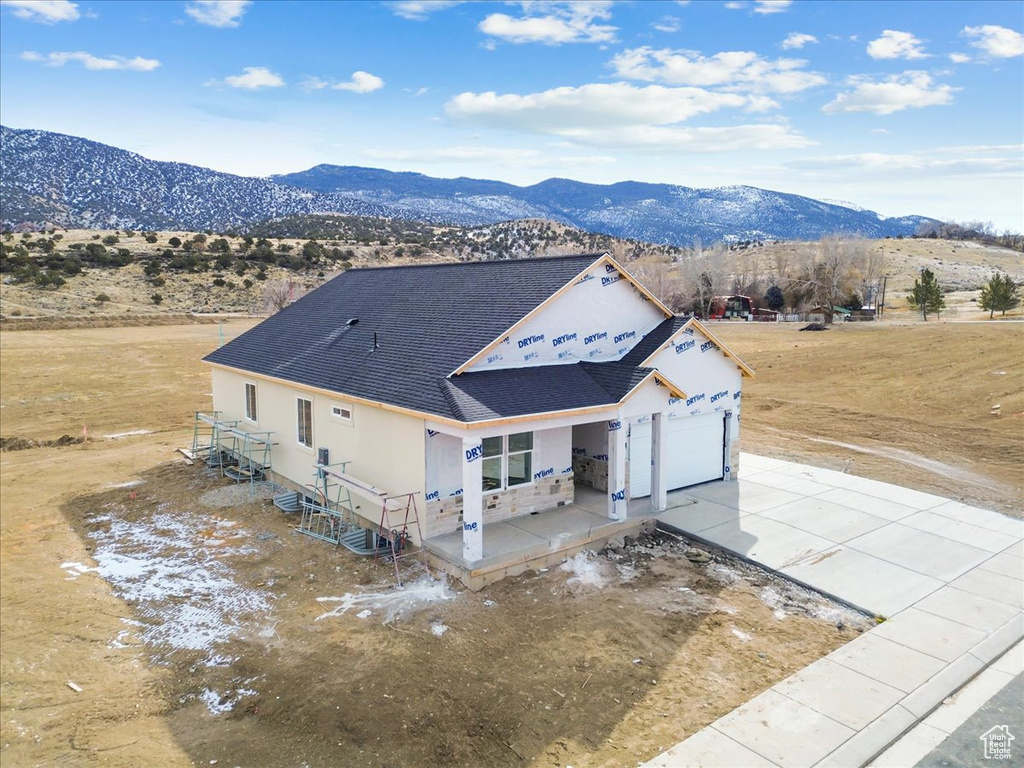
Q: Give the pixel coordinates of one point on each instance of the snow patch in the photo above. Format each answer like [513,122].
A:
[587,569]
[396,602]
[174,570]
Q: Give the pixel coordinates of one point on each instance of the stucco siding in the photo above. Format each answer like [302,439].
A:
[384,448]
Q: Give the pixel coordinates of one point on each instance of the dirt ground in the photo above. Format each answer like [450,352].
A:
[110,545]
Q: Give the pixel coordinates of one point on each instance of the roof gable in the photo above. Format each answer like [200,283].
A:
[597,316]
[676,334]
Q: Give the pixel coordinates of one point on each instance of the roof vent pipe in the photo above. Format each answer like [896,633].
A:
[375,346]
[352,321]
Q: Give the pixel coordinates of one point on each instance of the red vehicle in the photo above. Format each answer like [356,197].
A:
[727,307]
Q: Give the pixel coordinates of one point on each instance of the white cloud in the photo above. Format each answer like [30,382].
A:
[675,139]
[553,23]
[998,42]
[486,155]
[601,105]
[734,5]
[912,89]
[418,10]
[667,24]
[87,60]
[959,58]
[880,130]
[252,79]
[798,40]
[361,82]
[217,13]
[979,160]
[624,116]
[43,11]
[738,70]
[772,6]
[896,45]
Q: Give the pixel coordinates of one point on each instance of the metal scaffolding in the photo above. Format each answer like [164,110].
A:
[235,453]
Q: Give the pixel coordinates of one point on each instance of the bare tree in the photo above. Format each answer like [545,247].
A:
[704,275]
[278,294]
[658,275]
[834,268]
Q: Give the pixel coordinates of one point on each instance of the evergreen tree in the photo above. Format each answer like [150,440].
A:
[775,299]
[1000,293]
[927,295]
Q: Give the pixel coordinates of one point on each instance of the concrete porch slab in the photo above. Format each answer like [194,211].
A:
[565,524]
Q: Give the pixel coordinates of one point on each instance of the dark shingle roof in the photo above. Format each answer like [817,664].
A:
[428,320]
[520,391]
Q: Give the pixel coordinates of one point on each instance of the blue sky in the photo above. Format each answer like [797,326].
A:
[899,107]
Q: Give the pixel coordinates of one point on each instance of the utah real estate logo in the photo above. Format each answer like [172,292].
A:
[997,742]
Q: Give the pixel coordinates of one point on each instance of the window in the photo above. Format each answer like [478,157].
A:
[305,422]
[343,412]
[250,401]
[508,461]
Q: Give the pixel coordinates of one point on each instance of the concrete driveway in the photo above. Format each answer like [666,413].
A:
[947,578]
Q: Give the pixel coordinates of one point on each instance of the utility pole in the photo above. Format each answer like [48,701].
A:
[880,308]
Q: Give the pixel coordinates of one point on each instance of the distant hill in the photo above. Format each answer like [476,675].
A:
[49,179]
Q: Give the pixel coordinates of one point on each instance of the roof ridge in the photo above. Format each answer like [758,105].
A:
[483,263]
[449,395]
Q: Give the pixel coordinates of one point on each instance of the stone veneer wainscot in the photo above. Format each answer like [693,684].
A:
[445,515]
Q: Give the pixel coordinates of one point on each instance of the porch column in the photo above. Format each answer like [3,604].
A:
[727,469]
[617,501]
[472,499]
[659,463]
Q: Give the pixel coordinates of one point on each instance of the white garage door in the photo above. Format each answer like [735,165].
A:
[695,452]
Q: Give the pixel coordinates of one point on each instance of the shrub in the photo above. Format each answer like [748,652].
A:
[157,282]
[248,283]
[102,298]
[151,238]
[174,242]
[219,282]
[156,298]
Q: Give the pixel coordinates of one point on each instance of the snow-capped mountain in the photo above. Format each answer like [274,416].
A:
[53,179]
